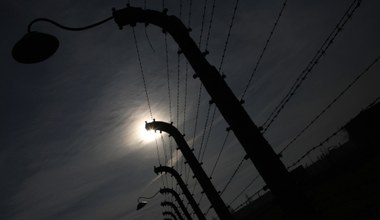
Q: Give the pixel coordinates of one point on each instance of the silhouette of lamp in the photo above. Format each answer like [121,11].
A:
[36,46]
[142,201]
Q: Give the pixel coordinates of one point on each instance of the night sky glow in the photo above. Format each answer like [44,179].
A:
[73,144]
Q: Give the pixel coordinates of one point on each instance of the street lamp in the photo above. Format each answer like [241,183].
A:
[35,47]
[142,201]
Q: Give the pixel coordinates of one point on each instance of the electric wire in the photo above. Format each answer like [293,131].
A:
[220,152]
[186,168]
[203,142]
[142,71]
[203,23]
[171,159]
[314,148]
[326,139]
[196,124]
[233,175]
[148,39]
[190,13]
[224,51]
[373,103]
[213,115]
[165,155]
[210,24]
[168,77]
[209,133]
[180,9]
[264,49]
[244,189]
[179,160]
[228,36]
[366,70]
[177,166]
[197,115]
[178,84]
[315,60]
[158,152]
[200,198]
[249,198]
[185,97]
[204,132]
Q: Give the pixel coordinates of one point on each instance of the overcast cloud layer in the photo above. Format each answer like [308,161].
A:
[71,144]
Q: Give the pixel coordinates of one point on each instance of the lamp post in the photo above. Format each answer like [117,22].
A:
[266,161]
[142,201]
[174,207]
[171,214]
[178,199]
[205,182]
[185,190]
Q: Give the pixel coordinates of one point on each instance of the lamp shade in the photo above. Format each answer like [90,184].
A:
[141,204]
[35,47]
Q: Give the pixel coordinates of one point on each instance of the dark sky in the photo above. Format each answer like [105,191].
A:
[71,144]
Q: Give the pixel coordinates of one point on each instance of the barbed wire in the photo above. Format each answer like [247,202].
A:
[228,35]
[158,151]
[197,115]
[373,103]
[328,138]
[202,24]
[148,39]
[185,97]
[220,153]
[233,175]
[315,147]
[190,13]
[204,132]
[168,77]
[178,84]
[315,60]
[209,133]
[244,189]
[180,9]
[366,70]
[148,100]
[210,24]
[264,49]
[249,198]
[165,154]
[142,72]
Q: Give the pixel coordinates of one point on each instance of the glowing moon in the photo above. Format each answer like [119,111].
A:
[147,136]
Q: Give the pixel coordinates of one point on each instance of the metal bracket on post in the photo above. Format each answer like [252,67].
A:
[209,189]
[174,207]
[185,190]
[267,163]
[178,199]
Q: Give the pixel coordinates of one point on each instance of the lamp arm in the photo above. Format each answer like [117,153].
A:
[141,197]
[65,27]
